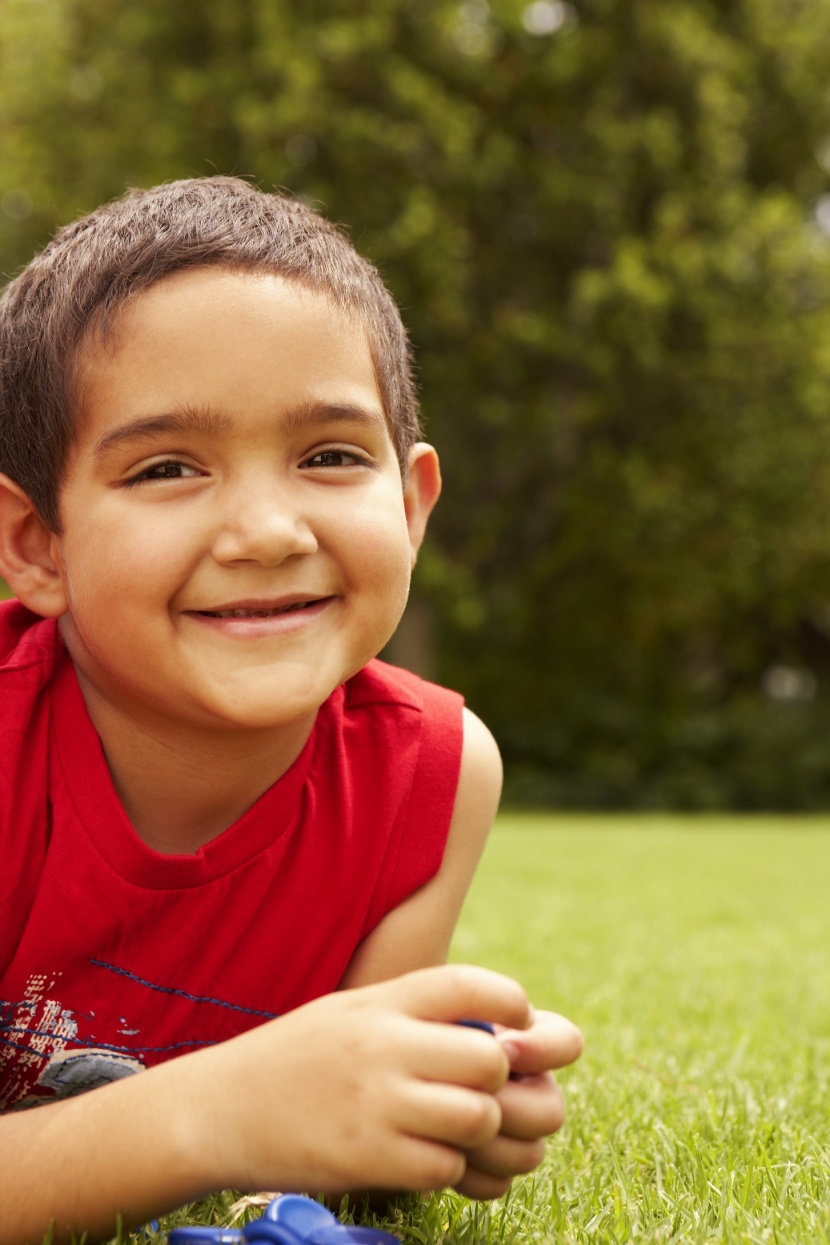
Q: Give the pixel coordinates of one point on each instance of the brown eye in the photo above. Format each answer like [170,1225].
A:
[168,469]
[335,458]
[165,471]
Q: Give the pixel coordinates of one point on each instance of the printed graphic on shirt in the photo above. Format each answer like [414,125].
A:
[33,1030]
[49,1050]
[74,1072]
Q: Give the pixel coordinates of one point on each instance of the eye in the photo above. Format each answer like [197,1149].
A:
[167,469]
[336,458]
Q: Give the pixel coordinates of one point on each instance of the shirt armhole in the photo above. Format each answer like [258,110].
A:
[417,844]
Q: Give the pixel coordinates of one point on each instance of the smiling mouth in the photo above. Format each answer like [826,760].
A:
[266,613]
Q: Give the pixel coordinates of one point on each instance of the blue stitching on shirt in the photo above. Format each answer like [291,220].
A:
[193,998]
[27,1050]
[68,1043]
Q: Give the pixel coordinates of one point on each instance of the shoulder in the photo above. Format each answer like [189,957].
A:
[480,778]
[379,683]
[27,642]
[448,728]
[29,647]
[417,929]
[28,650]
[401,710]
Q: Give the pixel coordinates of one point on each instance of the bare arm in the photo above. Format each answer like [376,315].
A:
[417,934]
[357,1089]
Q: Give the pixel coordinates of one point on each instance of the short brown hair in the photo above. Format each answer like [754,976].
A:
[91,267]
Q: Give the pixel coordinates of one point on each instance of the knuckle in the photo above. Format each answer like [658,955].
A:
[442,1166]
[495,1066]
[480,1119]
[464,978]
[529,1155]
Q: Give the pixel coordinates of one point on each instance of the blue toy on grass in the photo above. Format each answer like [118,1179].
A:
[289,1220]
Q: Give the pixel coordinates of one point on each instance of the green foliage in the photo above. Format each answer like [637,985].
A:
[604,241]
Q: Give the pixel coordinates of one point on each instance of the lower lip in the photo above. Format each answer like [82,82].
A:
[263,626]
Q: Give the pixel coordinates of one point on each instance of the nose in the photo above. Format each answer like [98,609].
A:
[263,524]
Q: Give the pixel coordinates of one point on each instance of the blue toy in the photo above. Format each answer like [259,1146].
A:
[484,1025]
[289,1220]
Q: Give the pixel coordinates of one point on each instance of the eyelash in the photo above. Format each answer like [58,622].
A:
[356,460]
[146,474]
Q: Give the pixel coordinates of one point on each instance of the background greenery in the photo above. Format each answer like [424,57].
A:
[695,963]
[606,222]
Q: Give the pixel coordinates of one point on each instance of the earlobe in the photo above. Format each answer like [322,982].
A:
[28,554]
[423,488]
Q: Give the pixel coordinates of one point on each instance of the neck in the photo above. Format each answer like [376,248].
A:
[202,782]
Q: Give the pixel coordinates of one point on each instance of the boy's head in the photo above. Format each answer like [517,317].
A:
[75,288]
[203,459]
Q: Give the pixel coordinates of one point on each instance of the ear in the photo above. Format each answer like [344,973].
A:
[423,488]
[29,560]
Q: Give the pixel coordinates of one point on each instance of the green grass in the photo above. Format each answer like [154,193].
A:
[694,954]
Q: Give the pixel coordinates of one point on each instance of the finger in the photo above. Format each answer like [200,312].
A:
[461,991]
[458,1117]
[531,1107]
[461,1056]
[481,1185]
[551,1042]
[421,1165]
[506,1157]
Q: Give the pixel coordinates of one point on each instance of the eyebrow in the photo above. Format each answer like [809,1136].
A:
[149,427]
[214,423]
[307,414]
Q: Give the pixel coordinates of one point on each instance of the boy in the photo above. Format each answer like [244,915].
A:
[233,846]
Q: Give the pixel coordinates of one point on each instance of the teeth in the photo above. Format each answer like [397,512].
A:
[257,613]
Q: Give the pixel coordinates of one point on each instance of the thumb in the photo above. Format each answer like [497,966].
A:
[455,992]
[552,1042]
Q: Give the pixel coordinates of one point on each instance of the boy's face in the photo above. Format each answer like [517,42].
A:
[236,539]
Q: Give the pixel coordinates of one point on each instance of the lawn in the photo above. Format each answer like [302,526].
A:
[694,954]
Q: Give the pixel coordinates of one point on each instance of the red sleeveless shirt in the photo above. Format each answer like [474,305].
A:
[113,956]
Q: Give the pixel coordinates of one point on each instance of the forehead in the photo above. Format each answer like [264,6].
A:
[223,340]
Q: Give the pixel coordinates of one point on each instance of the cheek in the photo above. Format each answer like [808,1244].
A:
[380,556]
[375,556]
[110,560]
[391,592]
[142,539]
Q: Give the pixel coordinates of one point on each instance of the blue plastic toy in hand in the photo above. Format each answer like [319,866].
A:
[289,1220]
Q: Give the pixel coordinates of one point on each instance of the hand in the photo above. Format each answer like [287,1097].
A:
[362,1088]
[531,1105]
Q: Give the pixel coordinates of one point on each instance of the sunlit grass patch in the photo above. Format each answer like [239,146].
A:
[694,954]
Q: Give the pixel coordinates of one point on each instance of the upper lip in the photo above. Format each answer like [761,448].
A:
[260,603]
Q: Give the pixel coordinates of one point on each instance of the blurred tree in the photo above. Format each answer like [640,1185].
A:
[603,222]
